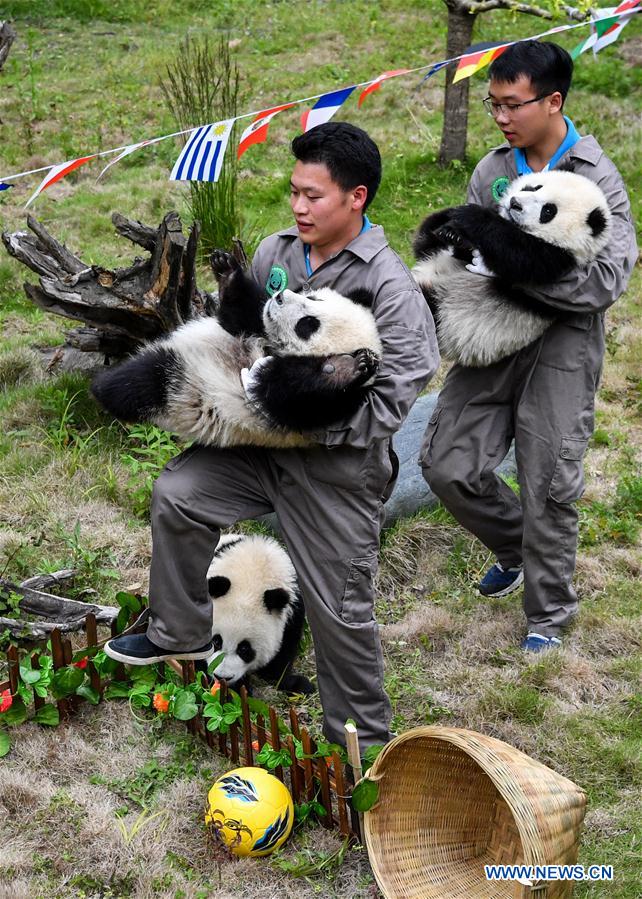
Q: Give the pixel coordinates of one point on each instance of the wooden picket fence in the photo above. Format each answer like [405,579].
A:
[309,778]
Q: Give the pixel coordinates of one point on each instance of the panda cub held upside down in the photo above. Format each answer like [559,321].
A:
[318,352]
[257,612]
[547,224]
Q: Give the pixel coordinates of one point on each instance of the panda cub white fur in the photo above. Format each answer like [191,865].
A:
[258,612]
[547,224]
[320,352]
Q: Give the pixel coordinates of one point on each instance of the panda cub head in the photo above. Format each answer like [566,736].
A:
[562,208]
[253,587]
[320,323]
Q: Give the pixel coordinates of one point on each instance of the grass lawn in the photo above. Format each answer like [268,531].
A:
[111,805]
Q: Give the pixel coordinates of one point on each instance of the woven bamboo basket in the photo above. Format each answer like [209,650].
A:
[451,801]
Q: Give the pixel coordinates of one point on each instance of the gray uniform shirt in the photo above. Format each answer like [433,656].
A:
[404,322]
[594,287]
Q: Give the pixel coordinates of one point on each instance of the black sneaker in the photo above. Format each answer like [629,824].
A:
[138,649]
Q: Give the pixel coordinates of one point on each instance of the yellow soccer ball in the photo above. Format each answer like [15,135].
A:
[251,810]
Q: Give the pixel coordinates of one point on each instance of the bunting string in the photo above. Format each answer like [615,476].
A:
[201,158]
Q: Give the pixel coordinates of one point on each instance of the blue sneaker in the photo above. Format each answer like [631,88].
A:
[499,581]
[538,643]
[138,649]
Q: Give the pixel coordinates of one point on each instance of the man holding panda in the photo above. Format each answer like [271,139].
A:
[328,499]
[543,395]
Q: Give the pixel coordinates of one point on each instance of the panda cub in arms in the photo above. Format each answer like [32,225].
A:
[318,353]
[547,224]
[257,612]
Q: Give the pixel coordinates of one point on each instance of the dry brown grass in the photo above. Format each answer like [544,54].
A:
[61,833]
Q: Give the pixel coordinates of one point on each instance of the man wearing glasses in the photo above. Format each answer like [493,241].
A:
[543,395]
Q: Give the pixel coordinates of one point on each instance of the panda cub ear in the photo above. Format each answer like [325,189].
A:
[596,221]
[362,296]
[218,586]
[276,599]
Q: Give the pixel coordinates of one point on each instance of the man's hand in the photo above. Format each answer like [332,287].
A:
[250,377]
[478,266]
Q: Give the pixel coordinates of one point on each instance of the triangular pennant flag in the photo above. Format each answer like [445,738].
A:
[325,108]
[130,149]
[376,84]
[473,62]
[584,45]
[56,172]
[611,23]
[5,186]
[201,158]
[257,132]
[436,68]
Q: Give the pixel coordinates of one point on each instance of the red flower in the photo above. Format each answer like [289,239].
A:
[161,703]
[82,663]
[6,700]
[215,688]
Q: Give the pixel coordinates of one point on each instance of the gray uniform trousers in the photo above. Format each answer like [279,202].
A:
[548,409]
[332,535]
[542,396]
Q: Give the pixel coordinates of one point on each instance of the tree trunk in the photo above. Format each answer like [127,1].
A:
[460,32]
[123,308]
[7,37]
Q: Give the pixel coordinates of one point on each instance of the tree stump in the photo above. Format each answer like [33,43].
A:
[122,308]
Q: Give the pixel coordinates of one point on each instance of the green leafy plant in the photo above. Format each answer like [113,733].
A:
[152,448]
[364,795]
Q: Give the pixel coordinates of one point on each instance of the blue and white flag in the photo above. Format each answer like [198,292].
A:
[202,156]
[325,108]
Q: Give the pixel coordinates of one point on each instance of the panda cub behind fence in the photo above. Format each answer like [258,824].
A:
[257,612]
[318,353]
[547,224]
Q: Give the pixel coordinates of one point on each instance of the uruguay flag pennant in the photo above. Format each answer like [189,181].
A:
[56,172]
[201,158]
[325,108]
[376,84]
[257,132]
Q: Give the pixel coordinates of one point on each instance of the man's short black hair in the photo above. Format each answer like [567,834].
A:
[549,67]
[350,155]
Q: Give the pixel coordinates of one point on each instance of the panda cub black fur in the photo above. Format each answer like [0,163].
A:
[547,224]
[321,352]
[258,612]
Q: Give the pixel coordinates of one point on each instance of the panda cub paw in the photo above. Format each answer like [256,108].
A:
[350,369]
[224,266]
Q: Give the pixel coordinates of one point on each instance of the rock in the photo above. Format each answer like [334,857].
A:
[411,492]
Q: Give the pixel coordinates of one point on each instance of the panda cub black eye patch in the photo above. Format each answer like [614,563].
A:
[218,586]
[217,642]
[306,327]
[596,221]
[245,651]
[531,187]
[547,213]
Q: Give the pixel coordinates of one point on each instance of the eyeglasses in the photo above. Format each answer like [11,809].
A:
[494,109]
